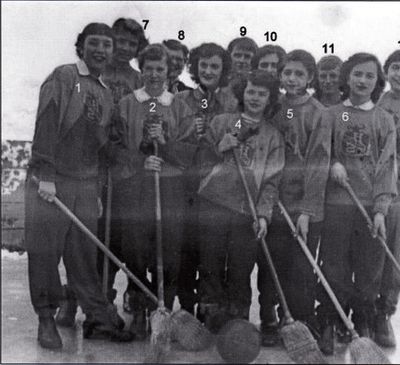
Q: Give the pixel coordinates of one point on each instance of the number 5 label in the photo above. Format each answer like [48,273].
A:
[289,113]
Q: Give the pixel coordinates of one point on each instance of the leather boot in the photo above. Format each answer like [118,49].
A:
[48,336]
[362,325]
[68,307]
[100,331]
[384,334]
[139,325]
[215,316]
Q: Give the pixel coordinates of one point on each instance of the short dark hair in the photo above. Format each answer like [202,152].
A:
[245,43]
[153,52]
[306,58]
[394,57]
[92,29]
[133,27]
[263,79]
[355,60]
[176,46]
[269,49]
[208,50]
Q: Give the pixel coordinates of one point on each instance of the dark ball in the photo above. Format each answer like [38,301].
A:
[239,342]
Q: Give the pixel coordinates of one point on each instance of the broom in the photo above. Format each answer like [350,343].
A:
[362,349]
[192,335]
[297,338]
[361,208]
[160,319]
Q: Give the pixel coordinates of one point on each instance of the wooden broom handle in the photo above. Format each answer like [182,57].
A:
[159,248]
[365,214]
[107,231]
[286,311]
[317,269]
[100,245]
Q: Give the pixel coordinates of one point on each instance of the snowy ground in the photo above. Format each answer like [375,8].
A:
[19,331]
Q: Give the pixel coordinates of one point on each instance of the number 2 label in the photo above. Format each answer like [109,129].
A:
[152,107]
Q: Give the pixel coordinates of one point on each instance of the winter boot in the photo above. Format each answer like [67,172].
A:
[139,325]
[384,334]
[68,307]
[48,336]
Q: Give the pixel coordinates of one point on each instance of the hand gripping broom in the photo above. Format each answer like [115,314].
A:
[381,240]
[187,330]
[362,349]
[297,338]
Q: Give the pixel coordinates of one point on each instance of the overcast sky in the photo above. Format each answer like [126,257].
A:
[38,36]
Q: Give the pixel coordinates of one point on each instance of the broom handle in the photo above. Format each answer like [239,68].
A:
[100,245]
[107,231]
[363,211]
[317,269]
[288,317]
[159,253]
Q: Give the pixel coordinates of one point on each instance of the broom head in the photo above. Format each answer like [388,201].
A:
[365,351]
[189,332]
[300,344]
[160,340]
[239,342]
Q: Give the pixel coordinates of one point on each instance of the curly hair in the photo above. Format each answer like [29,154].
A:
[266,50]
[153,52]
[208,50]
[262,79]
[133,27]
[245,43]
[306,58]
[357,59]
[92,29]
[394,57]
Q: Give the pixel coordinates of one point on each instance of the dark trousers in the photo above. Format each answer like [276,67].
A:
[139,235]
[117,198]
[352,262]
[390,284]
[228,253]
[50,235]
[187,282]
[294,271]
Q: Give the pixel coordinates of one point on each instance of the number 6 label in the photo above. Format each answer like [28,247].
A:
[345,116]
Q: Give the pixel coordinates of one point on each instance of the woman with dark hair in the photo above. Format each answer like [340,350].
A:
[151,114]
[307,154]
[269,58]
[73,114]
[390,286]
[327,81]
[364,155]
[122,79]
[226,233]
[209,66]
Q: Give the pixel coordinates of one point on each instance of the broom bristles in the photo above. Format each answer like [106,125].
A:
[189,331]
[160,340]
[301,345]
[365,351]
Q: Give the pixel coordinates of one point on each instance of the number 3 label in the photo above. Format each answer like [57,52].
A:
[204,103]
[289,113]
[345,116]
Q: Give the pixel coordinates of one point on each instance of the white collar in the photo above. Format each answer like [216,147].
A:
[84,71]
[164,99]
[368,105]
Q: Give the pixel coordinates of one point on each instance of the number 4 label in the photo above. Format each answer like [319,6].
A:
[238,124]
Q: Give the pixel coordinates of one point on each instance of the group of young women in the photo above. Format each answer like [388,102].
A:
[252,107]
